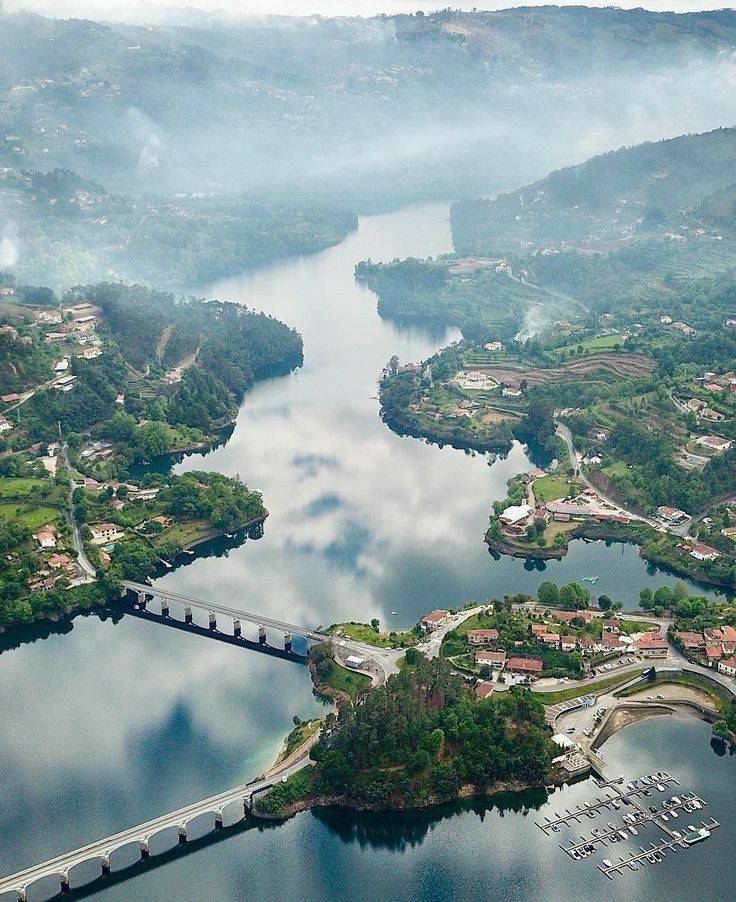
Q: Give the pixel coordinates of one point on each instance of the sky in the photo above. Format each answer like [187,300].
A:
[145,11]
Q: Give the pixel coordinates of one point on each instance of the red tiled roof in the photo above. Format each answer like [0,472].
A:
[484,688]
[435,617]
[483,634]
[652,641]
[530,665]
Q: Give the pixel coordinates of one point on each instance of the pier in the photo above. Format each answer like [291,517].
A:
[665,817]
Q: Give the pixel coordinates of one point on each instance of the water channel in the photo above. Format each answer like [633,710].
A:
[113,721]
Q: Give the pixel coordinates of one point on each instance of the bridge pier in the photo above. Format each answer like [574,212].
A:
[188,617]
[164,608]
[213,620]
[237,628]
[105,863]
[22,894]
[287,641]
[141,599]
[262,635]
[144,847]
[64,881]
[218,819]
[182,833]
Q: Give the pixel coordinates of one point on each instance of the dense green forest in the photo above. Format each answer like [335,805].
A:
[419,738]
[225,346]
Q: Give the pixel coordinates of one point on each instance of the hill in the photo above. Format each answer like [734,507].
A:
[606,201]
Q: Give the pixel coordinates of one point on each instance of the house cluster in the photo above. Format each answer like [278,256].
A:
[715,647]
[76,326]
[98,450]
[703,412]
[56,566]
[586,506]
[667,320]
[522,665]
[713,382]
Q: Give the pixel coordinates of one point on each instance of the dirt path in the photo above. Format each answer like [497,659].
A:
[163,341]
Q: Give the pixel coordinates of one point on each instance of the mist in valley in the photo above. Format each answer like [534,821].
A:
[178,126]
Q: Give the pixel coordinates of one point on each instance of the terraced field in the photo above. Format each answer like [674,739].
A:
[626,365]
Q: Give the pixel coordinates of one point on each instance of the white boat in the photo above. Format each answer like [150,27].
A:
[696,835]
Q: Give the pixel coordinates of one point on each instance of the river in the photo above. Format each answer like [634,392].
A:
[112,721]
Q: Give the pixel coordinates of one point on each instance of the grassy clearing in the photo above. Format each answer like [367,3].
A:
[187,532]
[349,681]
[616,469]
[299,786]
[364,632]
[20,488]
[598,343]
[298,736]
[549,488]
[31,516]
[566,695]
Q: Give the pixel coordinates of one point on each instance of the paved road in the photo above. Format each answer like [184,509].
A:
[681,529]
[384,661]
[77,540]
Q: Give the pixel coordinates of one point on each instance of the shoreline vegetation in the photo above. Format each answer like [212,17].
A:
[427,739]
[102,389]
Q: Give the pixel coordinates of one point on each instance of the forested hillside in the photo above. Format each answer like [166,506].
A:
[66,230]
[623,194]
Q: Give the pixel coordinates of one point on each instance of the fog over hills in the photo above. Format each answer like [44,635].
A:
[350,114]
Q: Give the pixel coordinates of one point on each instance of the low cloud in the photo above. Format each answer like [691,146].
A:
[8,247]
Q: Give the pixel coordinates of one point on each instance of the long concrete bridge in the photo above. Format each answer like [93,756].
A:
[103,849]
[142,594]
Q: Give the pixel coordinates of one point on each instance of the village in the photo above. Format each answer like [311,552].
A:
[531,643]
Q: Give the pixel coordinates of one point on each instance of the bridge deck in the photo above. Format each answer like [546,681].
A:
[103,848]
[235,613]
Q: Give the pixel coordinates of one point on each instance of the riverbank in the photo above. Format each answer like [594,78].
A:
[405,427]
[285,804]
[649,545]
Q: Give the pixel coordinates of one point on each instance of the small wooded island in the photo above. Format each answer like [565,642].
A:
[421,739]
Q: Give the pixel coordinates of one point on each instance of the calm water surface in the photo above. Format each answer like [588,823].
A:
[114,722]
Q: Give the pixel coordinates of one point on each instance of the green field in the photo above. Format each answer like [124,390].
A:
[364,632]
[549,488]
[597,343]
[18,488]
[348,681]
[31,516]
[616,469]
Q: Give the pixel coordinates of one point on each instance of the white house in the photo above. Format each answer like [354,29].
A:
[46,537]
[727,666]
[515,514]
[103,533]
